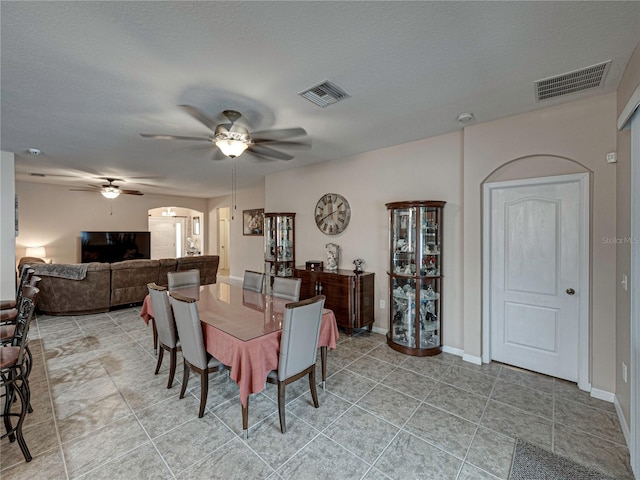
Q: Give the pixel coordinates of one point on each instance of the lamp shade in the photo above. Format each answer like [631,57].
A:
[37,252]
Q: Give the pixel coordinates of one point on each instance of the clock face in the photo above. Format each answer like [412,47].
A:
[332,213]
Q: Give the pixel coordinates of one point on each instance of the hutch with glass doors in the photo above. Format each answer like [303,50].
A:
[279,244]
[415,277]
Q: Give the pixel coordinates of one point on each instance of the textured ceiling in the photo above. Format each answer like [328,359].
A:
[81,80]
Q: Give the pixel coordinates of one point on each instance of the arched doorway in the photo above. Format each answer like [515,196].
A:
[175,232]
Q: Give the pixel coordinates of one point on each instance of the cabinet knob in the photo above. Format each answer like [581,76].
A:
[570,291]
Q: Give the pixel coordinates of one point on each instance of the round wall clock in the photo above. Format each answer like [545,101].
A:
[332,213]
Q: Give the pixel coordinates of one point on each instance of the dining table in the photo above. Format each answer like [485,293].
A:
[242,329]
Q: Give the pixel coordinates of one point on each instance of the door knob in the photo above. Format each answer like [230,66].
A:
[570,291]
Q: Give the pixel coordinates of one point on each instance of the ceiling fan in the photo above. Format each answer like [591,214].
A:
[109,190]
[233,139]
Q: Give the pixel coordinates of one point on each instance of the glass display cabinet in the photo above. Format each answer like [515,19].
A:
[279,244]
[415,277]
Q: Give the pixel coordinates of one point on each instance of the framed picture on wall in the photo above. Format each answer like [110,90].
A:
[253,221]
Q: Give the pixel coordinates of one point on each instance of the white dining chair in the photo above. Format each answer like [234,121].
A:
[253,281]
[287,288]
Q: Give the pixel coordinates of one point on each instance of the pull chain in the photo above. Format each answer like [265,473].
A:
[233,190]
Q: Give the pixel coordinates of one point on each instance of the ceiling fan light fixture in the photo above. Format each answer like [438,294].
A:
[232,144]
[110,192]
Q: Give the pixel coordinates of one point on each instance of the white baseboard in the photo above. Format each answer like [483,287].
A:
[602,395]
[453,351]
[623,423]
[472,359]
[381,331]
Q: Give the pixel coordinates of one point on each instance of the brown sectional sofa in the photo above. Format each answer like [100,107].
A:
[111,285]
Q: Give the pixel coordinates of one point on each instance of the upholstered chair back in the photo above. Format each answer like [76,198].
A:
[163,315]
[300,332]
[188,278]
[287,288]
[253,281]
[185,312]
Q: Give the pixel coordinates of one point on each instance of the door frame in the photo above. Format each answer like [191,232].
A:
[583,265]
[634,447]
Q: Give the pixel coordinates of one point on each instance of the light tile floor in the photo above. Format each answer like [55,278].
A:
[100,412]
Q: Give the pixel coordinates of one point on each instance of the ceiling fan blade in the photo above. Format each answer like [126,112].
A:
[278,134]
[84,189]
[131,192]
[200,116]
[256,157]
[304,145]
[173,137]
[270,152]
[218,155]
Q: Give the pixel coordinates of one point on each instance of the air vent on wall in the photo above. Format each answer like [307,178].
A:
[576,81]
[324,94]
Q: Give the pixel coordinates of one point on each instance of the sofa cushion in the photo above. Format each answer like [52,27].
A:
[166,265]
[129,280]
[207,264]
[62,296]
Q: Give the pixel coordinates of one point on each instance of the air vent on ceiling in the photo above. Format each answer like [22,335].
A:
[576,81]
[324,94]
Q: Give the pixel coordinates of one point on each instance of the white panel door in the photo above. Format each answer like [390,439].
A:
[163,237]
[223,242]
[535,238]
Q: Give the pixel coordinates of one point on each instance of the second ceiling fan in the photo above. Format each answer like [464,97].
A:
[233,138]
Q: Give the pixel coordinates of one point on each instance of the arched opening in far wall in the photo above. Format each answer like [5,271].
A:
[176,232]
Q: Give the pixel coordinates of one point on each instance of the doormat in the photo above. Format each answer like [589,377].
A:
[534,463]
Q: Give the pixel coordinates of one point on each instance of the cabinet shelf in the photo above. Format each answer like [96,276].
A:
[415,307]
[279,244]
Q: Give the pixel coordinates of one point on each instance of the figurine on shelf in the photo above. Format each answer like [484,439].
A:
[358,262]
[333,257]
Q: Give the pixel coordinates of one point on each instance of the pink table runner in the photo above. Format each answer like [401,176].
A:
[251,360]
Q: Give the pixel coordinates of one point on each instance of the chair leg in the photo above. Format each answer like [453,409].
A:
[8,397]
[281,401]
[245,420]
[312,386]
[16,388]
[160,356]
[204,391]
[155,334]
[185,379]
[323,357]
[173,353]
[25,397]
[29,363]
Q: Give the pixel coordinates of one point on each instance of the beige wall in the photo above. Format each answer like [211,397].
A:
[581,131]
[7,227]
[429,169]
[246,252]
[630,81]
[53,217]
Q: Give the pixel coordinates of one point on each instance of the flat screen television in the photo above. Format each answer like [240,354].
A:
[112,247]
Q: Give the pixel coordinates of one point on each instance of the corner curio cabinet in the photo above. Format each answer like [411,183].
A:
[415,277]
[279,244]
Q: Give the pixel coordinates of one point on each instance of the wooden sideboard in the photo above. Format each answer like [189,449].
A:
[349,295]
